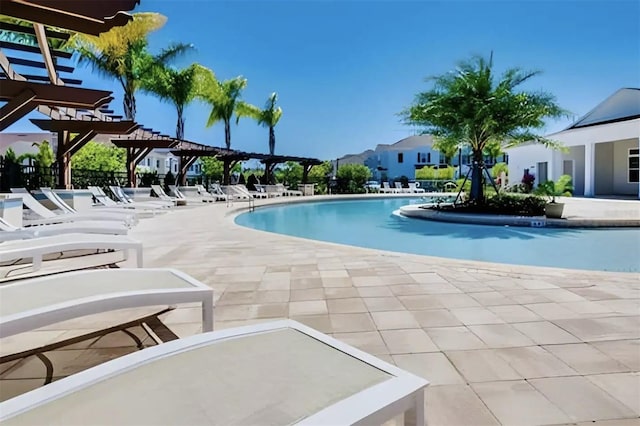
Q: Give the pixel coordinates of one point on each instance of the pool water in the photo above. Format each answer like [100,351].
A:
[372,224]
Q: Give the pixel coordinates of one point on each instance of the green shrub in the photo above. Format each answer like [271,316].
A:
[352,177]
[149,178]
[563,187]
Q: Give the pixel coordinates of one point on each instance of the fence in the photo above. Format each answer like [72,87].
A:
[33,177]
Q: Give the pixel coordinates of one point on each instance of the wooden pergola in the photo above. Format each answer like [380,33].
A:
[230,158]
[83,16]
[74,134]
[138,149]
[74,111]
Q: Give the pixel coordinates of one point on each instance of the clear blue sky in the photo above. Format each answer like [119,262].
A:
[344,69]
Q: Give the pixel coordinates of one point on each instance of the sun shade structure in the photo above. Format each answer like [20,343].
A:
[74,134]
[83,16]
[275,373]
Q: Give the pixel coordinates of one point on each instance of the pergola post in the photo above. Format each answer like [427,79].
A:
[306,168]
[134,157]
[186,161]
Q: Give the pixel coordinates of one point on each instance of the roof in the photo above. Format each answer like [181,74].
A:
[623,105]
[416,141]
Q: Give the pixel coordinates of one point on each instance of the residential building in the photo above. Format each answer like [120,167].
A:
[602,150]
[403,158]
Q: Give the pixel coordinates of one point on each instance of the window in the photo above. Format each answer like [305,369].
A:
[400,157]
[634,165]
[428,157]
[418,157]
[157,164]
[175,168]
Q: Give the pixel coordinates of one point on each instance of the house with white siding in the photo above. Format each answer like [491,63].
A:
[602,150]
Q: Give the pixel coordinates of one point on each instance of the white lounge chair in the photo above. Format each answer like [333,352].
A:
[37,248]
[82,227]
[386,188]
[37,302]
[157,189]
[141,210]
[288,192]
[46,216]
[206,195]
[121,196]
[271,373]
[399,188]
[217,191]
[66,208]
[413,187]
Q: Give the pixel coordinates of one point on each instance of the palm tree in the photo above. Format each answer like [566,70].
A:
[178,86]
[469,106]
[224,98]
[267,117]
[121,53]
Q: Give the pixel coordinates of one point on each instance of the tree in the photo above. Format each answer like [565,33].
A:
[290,174]
[469,106]
[318,175]
[212,168]
[121,53]
[267,117]
[354,176]
[224,98]
[97,156]
[177,86]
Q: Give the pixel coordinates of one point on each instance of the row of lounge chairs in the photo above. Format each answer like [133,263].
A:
[398,188]
[245,375]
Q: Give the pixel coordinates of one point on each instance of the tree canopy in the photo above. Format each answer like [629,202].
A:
[121,53]
[98,156]
[267,117]
[224,98]
[472,106]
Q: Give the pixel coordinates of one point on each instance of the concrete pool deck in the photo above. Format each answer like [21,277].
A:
[501,344]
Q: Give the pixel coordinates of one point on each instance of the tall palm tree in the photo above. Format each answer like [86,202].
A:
[121,53]
[471,106]
[178,86]
[267,117]
[224,98]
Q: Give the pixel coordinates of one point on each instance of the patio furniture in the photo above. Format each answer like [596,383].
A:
[271,373]
[413,187]
[387,189]
[399,188]
[82,227]
[126,200]
[157,189]
[47,216]
[288,192]
[29,304]
[59,203]
[37,248]
[101,197]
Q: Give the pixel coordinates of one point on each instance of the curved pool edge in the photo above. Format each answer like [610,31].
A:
[416,212]
[494,267]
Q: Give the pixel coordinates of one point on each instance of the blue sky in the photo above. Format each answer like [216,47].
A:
[344,69]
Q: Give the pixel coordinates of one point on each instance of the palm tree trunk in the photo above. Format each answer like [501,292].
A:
[227,134]
[272,140]
[129,102]
[180,123]
[477,193]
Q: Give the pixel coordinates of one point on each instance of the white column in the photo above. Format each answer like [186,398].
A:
[589,169]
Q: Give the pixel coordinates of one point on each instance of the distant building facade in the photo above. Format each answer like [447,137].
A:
[603,152]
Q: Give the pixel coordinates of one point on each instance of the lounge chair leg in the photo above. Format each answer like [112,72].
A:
[36,262]
[207,316]
[416,416]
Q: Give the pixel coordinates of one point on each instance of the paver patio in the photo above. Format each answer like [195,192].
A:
[502,344]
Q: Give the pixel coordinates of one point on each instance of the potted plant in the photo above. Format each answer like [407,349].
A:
[550,189]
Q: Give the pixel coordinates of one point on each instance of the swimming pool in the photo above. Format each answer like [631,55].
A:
[372,224]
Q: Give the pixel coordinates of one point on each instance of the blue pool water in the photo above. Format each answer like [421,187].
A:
[372,224]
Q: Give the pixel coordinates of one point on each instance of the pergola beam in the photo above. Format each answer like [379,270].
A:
[43,43]
[17,107]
